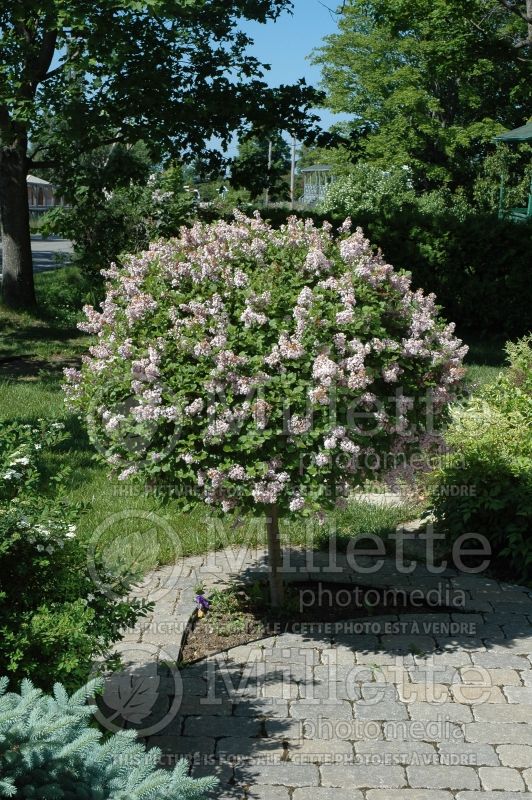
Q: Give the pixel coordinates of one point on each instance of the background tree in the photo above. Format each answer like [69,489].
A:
[250,169]
[522,9]
[75,77]
[429,82]
[130,201]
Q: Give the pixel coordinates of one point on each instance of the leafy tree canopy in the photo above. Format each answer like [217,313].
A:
[429,82]
[77,75]
[171,72]
[251,168]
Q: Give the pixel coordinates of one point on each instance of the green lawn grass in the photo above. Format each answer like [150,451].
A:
[484,361]
[127,521]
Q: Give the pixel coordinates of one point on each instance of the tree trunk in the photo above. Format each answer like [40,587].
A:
[17,268]
[274,557]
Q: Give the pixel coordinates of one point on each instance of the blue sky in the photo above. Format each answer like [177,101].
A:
[286,44]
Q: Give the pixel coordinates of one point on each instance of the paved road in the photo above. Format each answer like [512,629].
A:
[49,253]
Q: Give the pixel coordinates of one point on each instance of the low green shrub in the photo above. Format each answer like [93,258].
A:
[491,465]
[53,618]
[49,750]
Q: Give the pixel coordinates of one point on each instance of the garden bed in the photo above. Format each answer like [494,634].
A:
[241,614]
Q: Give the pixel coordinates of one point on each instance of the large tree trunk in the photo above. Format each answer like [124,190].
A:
[274,557]
[17,269]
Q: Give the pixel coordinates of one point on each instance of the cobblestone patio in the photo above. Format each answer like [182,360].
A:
[409,707]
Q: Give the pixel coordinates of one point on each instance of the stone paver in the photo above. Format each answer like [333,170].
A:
[396,707]
[268,793]
[475,754]
[518,694]
[279,775]
[527,775]
[324,793]
[501,778]
[453,712]
[443,777]
[494,796]
[362,776]
[409,794]
[515,755]
[507,733]
[505,677]
[503,713]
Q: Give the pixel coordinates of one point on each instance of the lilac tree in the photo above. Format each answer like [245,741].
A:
[262,370]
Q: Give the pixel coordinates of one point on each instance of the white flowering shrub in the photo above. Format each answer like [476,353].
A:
[251,367]
[369,189]
[53,619]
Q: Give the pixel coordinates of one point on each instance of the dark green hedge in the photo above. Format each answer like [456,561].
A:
[479,267]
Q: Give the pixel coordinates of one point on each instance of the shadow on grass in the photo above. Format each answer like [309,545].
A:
[485,351]
[25,339]
[28,368]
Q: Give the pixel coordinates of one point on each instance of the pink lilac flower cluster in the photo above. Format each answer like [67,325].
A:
[236,361]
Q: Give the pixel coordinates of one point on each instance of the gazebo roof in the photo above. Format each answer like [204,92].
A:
[37,181]
[523,134]
[316,168]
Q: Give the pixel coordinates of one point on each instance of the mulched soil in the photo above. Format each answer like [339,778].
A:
[252,619]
